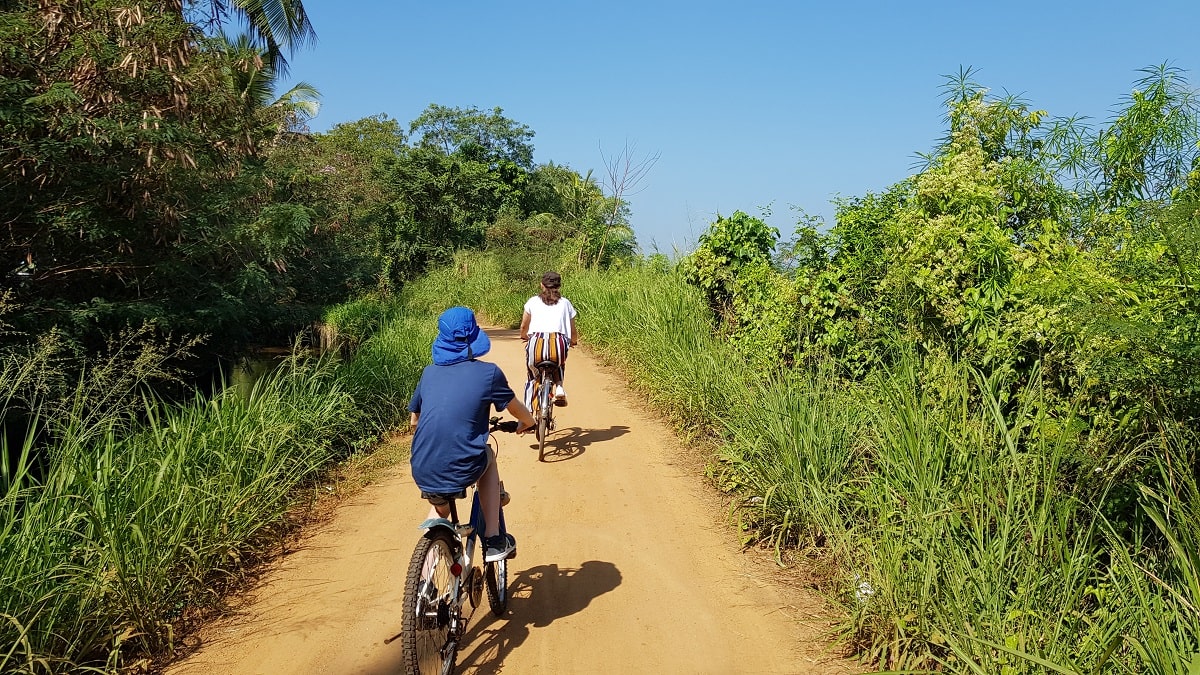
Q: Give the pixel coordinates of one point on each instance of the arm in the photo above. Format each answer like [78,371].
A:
[525,319]
[524,417]
[574,333]
[412,419]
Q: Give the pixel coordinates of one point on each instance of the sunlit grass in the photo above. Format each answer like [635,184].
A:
[963,522]
[114,525]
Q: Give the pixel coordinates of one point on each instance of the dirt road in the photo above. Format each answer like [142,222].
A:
[625,565]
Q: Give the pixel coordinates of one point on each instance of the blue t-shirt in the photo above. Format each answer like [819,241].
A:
[449,448]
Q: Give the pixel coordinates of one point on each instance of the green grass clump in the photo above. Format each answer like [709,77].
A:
[120,514]
[479,281]
[385,369]
[355,321]
[130,518]
[658,328]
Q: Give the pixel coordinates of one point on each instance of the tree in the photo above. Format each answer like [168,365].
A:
[253,80]
[625,175]
[275,26]
[729,246]
[475,135]
[1148,150]
[132,188]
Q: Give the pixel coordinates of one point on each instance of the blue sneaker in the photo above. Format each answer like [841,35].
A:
[499,547]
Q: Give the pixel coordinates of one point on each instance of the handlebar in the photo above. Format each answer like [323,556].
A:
[508,427]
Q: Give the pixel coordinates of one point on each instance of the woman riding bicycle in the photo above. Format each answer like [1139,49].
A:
[452,400]
[548,327]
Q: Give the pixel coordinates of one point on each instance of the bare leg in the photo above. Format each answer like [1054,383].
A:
[489,496]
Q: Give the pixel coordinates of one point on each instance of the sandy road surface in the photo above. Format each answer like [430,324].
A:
[624,566]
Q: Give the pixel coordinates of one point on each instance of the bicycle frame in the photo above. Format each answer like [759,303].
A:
[549,374]
[466,534]
[449,545]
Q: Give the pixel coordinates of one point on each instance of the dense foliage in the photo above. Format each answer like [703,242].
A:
[1025,249]
[979,390]
[152,175]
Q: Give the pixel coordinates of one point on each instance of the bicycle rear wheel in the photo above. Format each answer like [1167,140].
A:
[545,406]
[429,645]
[496,576]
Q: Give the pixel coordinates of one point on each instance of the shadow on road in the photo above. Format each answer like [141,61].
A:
[539,596]
[560,448]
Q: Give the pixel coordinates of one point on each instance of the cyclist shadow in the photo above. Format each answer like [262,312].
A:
[560,448]
[537,597]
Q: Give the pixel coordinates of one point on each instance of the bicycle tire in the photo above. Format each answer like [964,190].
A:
[550,405]
[428,645]
[496,576]
[543,418]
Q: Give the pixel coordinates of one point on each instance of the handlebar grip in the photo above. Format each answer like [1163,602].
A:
[509,426]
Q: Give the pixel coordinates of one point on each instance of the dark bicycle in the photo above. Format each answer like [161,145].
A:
[442,575]
[543,402]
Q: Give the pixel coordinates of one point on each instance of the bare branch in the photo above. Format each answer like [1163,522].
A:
[625,172]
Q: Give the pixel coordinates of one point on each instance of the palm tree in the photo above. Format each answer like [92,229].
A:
[253,79]
[274,26]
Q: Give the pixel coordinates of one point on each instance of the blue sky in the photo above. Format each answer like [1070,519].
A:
[747,105]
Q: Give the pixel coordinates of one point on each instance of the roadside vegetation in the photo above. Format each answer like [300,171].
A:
[166,211]
[972,400]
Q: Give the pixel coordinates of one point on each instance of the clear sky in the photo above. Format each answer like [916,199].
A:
[748,104]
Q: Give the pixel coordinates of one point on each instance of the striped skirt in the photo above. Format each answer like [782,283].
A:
[543,347]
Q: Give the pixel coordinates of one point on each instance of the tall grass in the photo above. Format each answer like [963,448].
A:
[658,328]
[385,369]
[793,456]
[353,322]
[1161,584]
[480,281]
[116,521]
[974,535]
[123,532]
[965,539]
[965,523]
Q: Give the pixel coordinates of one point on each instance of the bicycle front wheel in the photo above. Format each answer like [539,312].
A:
[430,608]
[496,576]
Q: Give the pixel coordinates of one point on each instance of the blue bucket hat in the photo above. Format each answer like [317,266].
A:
[459,338]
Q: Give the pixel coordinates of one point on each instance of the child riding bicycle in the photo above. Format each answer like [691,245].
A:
[452,404]
[548,328]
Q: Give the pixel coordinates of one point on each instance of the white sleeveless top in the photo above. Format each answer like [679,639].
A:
[554,318]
